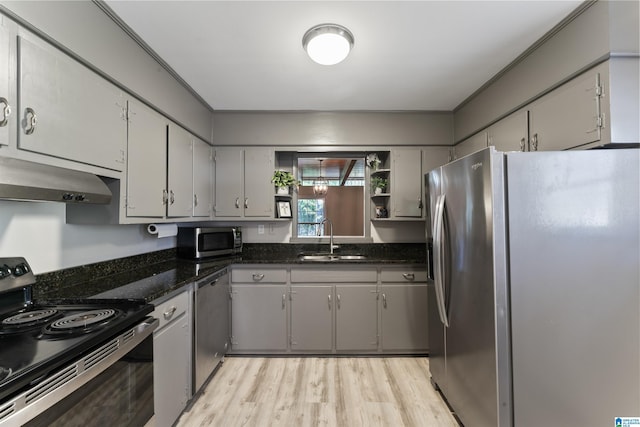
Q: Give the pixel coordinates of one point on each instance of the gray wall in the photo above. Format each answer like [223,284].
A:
[332,128]
[89,33]
[603,29]
[37,231]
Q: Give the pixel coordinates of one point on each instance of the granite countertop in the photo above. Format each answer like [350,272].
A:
[154,276]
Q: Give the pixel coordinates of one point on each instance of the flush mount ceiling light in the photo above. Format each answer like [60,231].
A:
[327,44]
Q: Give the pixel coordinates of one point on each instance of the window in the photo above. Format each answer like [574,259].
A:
[344,203]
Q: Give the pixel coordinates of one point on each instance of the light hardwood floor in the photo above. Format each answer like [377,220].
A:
[317,391]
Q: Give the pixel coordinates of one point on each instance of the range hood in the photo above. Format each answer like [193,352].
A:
[24,180]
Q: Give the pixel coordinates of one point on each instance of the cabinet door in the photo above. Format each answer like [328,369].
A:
[311,318]
[171,371]
[180,172]
[404,317]
[258,189]
[406,183]
[510,133]
[471,145]
[566,117]
[7,104]
[147,162]
[258,317]
[67,110]
[356,317]
[202,172]
[433,157]
[228,182]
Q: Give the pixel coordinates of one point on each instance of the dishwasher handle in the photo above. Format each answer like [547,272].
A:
[207,283]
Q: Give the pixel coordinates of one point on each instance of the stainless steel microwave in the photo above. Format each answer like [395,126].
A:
[206,242]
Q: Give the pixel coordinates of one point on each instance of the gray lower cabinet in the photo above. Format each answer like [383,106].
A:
[403,319]
[312,318]
[356,317]
[172,359]
[258,318]
[337,309]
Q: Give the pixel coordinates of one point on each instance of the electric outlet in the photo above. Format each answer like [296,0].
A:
[260,228]
[271,228]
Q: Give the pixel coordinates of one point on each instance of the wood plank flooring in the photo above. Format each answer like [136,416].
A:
[318,391]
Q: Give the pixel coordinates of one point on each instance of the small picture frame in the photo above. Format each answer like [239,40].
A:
[284,209]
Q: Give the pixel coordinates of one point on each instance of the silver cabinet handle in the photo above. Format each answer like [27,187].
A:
[409,276]
[195,200]
[534,142]
[165,197]
[237,202]
[167,314]
[172,197]
[246,203]
[384,300]
[338,301]
[6,112]
[329,297]
[284,298]
[522,143]
[30,121]
[419,202]
[257,277]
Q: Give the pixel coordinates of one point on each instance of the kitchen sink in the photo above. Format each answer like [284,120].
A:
[331,257]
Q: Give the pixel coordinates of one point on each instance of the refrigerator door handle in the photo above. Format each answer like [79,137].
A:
[438,258]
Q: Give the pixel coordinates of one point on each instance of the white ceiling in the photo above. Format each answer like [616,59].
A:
[408,55]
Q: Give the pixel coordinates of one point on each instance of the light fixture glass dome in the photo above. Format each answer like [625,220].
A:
[328,44]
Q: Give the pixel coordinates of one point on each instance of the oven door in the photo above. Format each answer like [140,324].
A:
[112,385]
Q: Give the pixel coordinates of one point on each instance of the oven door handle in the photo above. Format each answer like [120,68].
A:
[70,378]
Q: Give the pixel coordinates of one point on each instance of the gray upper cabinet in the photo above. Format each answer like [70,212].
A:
[7,102]
[202,178]
[471,145]
[433,157]
[243,186]
[356,317]
[258,189]
[510,133]
[180,172]
[569,116]
[406,183]
[66,110]
[147,162]
[228,181]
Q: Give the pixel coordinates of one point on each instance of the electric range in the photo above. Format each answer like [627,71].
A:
[40,338]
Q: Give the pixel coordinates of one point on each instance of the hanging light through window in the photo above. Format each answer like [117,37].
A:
[320,185]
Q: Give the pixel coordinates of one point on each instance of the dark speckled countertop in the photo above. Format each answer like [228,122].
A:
[156,275]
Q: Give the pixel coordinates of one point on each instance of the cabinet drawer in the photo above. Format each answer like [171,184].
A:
[259,274]
[334,274]
[403,275]
[171,309]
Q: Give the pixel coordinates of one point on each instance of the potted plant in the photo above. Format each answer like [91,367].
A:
[373,161]
[283,180]
[378,184]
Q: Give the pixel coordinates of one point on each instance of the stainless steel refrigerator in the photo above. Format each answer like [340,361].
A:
[535,298]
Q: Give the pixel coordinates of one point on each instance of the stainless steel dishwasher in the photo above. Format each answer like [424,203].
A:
[211,329]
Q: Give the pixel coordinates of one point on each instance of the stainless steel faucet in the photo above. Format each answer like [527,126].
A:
[331,245]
